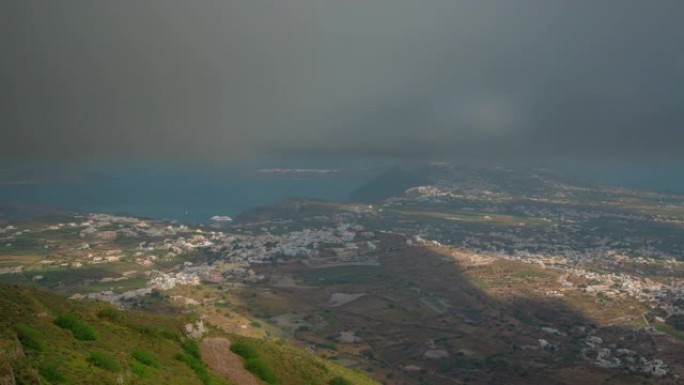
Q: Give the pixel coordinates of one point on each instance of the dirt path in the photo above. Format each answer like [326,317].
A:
[217,355]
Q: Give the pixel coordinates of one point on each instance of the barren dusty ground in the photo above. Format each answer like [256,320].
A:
[216,353]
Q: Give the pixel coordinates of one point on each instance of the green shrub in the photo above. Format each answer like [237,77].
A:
[338,380]
[145,357]
[255,324]
[193,358]
[243,350]
[104,361]
[29,337]
[259,369]
[81,330]
[50,371]
[138,369]
[197,366]
[191,348]
[252,362]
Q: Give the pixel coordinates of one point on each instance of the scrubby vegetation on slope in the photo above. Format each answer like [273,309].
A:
[47,339]
[282,364]
[57,341]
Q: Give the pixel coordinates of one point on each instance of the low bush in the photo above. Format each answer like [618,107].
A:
[253,363]
[138,369]
[50,371]
[243,350]
[145,357]
[338,380]
[191,348]
[30,338]
[259,369]
[81,330]
[104,361]
[197,366]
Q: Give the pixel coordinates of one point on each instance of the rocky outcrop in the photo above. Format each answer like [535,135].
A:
[196,330]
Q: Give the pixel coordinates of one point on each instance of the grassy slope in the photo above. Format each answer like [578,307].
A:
[294,366]
[59,352]
[50,349]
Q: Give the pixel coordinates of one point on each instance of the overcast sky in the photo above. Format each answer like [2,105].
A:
[536,81]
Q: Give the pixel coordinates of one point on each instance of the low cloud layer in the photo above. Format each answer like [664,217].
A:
[229,80]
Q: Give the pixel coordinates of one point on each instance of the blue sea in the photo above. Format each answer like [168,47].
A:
[195,192]
[188,193]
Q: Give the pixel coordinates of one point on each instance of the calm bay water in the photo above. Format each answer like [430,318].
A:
[185,193]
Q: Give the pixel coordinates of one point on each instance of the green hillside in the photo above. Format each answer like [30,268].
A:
[294,366]
[47,339]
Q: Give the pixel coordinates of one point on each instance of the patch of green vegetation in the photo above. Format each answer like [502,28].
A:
[288,365]
[104,360]
[339,380]
[197,366]
[64,360]
[119,286]
[68,280]
[193,358]
[253,363]
[50,371]
[160,356]
[243,350]
[119,317]
[138,369]
[145,357]
[30,338]
[259,369]
[81,330]
[191,348]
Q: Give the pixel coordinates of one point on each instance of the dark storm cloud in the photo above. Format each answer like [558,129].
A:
[228,79]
